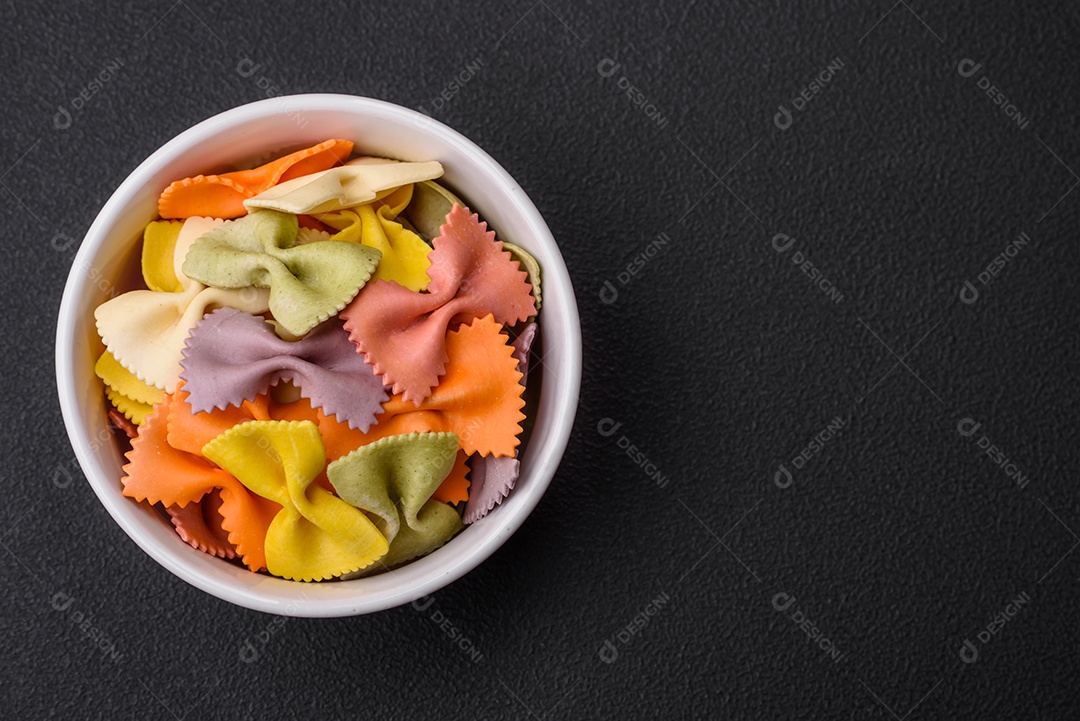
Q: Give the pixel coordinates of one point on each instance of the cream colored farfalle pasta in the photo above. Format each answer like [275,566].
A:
[145,330]
[355,183]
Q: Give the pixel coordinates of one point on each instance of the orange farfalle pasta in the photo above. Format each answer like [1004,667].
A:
[479,399]
[401,333]
[455,487]
[190,431]
[223,196]
[158,472]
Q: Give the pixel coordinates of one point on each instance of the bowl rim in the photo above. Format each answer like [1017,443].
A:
[511,514]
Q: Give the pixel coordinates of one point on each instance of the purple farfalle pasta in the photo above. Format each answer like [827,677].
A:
[490,480]
[523,349]
[232,356]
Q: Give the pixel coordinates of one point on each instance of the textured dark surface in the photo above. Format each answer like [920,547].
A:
[720,359]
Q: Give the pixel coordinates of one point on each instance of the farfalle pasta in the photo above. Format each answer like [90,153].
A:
[404,253]
[158,255]
[307,283]
[492,480]
[123,423]
[159,473]
[132,397]
[223,196]
[357,182]
[324,374]
[315,535]
[232,356]
[402,333]
[199,525]
[394,479]
[494,477]
[145,330]
[479,399]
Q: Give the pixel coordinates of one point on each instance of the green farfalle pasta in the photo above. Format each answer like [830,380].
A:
[529,265]
[393,479]
[308,283]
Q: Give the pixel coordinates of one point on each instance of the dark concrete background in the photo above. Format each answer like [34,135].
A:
[720,358]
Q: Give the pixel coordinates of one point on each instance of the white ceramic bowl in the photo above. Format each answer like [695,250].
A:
[254,130]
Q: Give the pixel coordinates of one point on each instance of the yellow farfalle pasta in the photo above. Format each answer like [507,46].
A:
[404,253]
[128,394]
[124,382]
[133,410]
[159,244]
[316,535]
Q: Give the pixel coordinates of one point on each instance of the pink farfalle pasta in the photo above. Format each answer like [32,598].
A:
[199,524]
[403,333]
[121,421]
[232,356]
